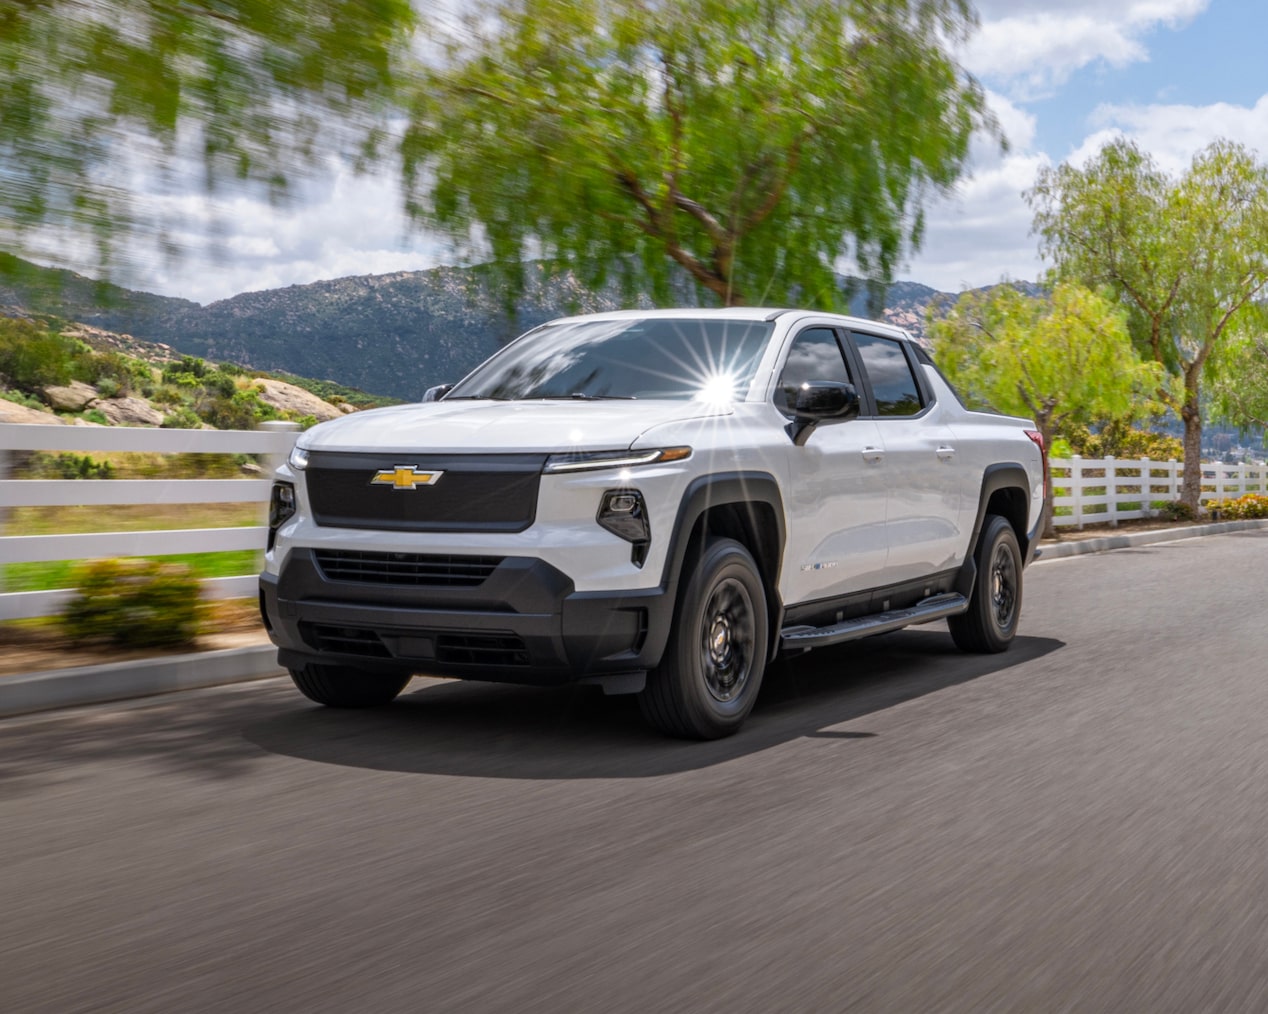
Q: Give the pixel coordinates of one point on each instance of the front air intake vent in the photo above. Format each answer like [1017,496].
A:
[413,569]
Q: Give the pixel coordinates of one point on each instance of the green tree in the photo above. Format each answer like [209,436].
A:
[1185,256]
[1059,360]
[228,91]
[745,144]
[1239,393]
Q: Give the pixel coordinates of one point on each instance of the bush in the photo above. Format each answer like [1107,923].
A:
[108,387]
[134,604]
[1122,441]
[1175,510]
[183,418]
[1244,508]
[69,466]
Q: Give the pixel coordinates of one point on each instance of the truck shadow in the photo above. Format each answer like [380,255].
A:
[498,731]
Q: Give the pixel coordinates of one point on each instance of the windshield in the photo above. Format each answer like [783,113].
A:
[653,357]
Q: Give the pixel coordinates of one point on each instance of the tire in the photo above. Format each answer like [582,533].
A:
[712,669]
[990,623]
[338,686]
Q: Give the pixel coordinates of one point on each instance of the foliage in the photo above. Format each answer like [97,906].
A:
[1244,508]
[1176,510]
[745,145]
[1118,438]
[134,603]
[32,358]
[229,93]
[1239,392]
[182,418]
[68,466]
[1184,256]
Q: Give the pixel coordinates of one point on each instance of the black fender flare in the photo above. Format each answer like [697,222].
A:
[703,494]
[1002,475]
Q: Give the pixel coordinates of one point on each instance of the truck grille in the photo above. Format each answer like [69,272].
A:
[460,648]
[405,568]
[481,649]
[477,492]
[344,640]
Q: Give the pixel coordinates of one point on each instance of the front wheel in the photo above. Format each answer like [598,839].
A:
[339,686]
[990,623]
[708,680]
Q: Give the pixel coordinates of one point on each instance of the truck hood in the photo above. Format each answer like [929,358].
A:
[503,426]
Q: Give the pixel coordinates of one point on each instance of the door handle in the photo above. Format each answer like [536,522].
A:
[946,453]
[873,454]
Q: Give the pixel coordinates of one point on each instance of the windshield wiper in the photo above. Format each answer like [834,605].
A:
[578,396]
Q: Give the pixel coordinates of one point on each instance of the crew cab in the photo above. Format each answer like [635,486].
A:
[657,502]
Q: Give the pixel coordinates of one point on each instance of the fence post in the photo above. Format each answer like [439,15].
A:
[1076,488]
[1173,486]
[6,458]
[1111,490]
[1146,490]
[273,460]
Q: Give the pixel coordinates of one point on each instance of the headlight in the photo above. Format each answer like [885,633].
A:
[298,458]
[281,509]
[585,461]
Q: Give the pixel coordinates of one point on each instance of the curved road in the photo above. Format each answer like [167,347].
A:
[1081,824]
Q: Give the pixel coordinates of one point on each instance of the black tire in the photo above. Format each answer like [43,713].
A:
[712,669]
[339,686]
[990,623]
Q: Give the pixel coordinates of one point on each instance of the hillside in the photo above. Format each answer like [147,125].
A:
[396,334]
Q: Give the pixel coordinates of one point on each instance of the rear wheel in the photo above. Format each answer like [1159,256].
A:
[709,678]
[990,623]
[342,687]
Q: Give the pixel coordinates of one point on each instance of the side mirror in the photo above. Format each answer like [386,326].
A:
[437,392]
[818,400]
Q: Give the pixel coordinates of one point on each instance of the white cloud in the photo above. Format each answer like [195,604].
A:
[1173,134]
[1032,48]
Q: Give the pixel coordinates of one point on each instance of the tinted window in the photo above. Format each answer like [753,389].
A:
[656,357]
[893,384]
[814,355]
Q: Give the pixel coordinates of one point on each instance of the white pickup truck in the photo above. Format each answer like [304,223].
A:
[658,502]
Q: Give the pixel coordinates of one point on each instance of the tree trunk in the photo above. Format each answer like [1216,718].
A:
[1049,507]
[1192,417]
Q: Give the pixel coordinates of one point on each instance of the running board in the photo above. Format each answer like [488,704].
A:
[933,608]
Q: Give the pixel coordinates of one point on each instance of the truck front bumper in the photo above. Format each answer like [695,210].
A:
[523,623]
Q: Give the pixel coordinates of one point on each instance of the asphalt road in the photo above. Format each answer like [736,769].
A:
[1080,824]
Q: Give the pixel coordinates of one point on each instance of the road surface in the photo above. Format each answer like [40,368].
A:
[1080,824]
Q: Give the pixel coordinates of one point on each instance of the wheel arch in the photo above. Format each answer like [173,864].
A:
[745,506]
[1006,492]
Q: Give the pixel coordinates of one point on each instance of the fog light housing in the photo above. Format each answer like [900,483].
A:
[623,512]
[281,509]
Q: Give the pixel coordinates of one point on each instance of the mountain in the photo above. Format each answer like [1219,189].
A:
[395,334]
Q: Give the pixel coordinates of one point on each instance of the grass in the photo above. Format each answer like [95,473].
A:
[131,518]
[21,577]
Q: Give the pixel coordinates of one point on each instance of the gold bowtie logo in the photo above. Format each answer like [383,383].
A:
[405,477]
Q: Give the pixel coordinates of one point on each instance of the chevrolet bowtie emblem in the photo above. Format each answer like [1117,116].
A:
[405,477]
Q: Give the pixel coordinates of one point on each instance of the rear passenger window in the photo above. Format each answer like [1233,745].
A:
[815,355]
[893,384]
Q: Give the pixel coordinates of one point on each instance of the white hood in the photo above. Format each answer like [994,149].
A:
[501,427]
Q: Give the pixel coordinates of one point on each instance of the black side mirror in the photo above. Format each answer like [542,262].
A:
[437,392]
[818,400]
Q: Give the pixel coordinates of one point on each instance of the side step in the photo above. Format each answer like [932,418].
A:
[933,608]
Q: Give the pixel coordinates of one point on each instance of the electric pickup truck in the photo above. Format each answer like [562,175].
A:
[656,502]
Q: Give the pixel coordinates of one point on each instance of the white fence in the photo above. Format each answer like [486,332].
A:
[1110,490]
[274,440]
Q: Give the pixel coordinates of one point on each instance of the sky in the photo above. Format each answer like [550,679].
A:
[1062,77]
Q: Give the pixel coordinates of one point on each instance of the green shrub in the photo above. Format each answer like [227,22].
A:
[1175,510]
[134,604]
[69,466]
[108,387]
[183,418]
[1244,508]
[97,416]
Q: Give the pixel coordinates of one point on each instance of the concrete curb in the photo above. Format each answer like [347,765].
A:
[93,684]
[1056,551]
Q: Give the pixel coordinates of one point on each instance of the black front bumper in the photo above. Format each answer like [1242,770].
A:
[524,623]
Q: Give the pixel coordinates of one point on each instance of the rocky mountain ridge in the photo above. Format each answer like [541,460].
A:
[395,334]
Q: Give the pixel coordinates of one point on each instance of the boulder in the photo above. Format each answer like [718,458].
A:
[346,408]
[75,397]
[129,412]
[288,398]
[11,412]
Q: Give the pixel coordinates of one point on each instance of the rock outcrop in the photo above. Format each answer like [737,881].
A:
[288,398]
[128,411]
[74,397]
[11,412]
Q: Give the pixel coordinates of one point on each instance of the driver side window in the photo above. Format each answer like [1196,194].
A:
[815,354]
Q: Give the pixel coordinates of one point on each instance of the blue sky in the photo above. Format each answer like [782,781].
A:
[1063,76]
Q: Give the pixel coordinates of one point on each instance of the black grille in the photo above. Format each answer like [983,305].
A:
[344,640]
[481,649]
[487,492]
[405,568]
